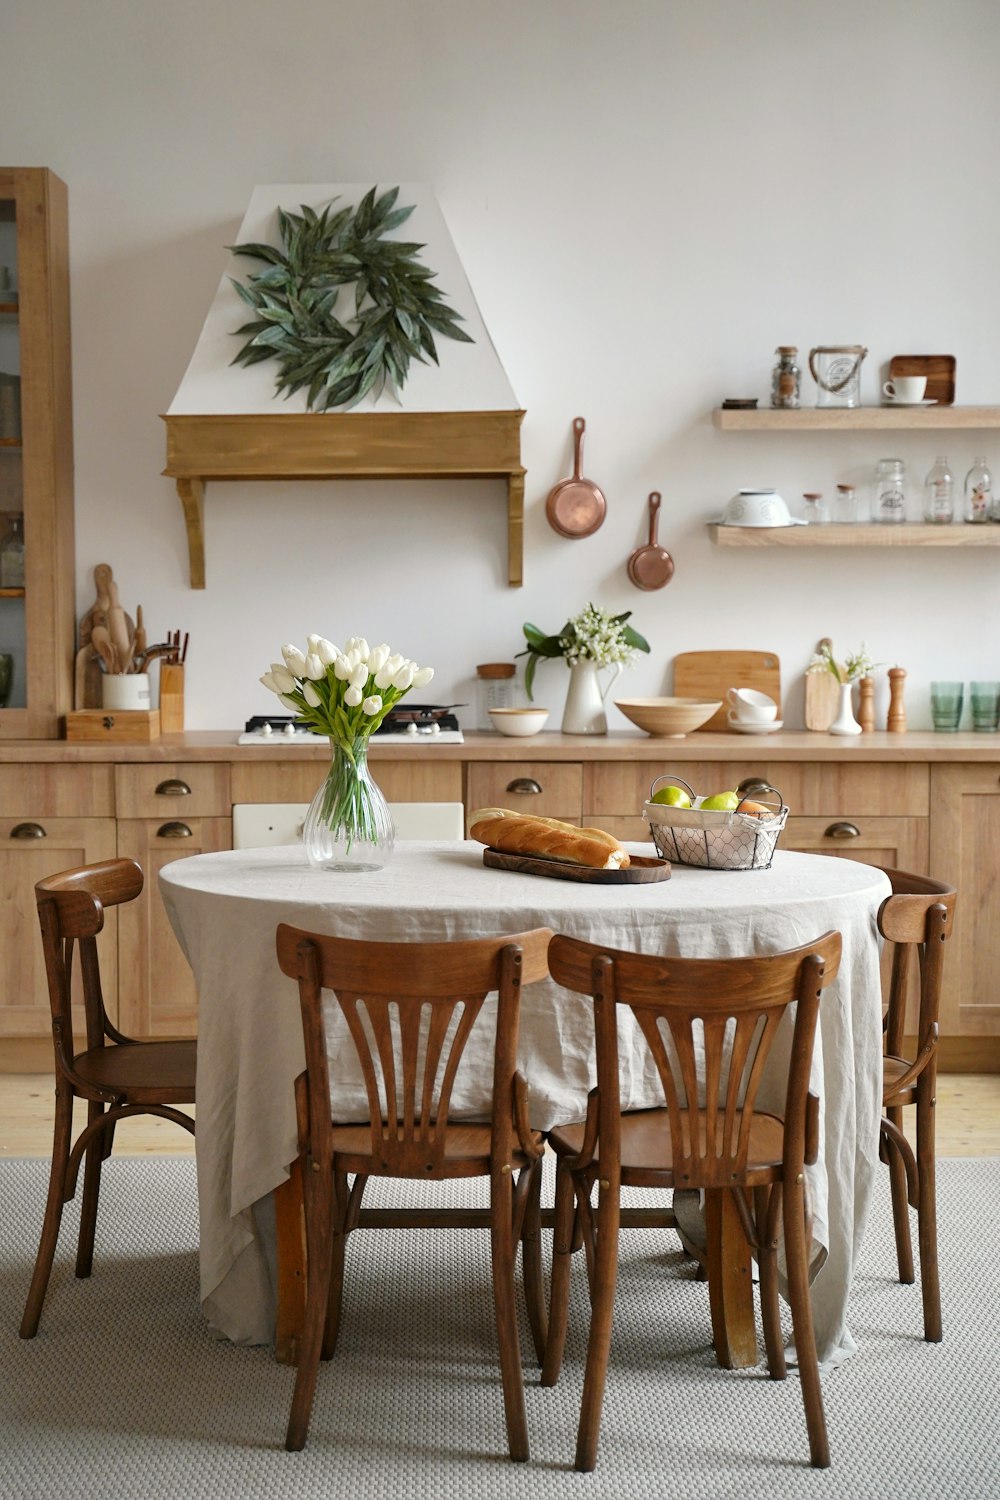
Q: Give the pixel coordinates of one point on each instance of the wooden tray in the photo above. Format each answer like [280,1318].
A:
[939,369]
[642,870]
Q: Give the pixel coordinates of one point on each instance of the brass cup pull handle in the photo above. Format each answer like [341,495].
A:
[173,788]
[174,831]
[525,784]
[28,831]
[842,831]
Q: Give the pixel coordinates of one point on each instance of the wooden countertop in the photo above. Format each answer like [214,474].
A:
[785,745]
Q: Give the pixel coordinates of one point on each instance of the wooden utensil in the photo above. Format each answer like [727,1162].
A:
[121,634]
[641,871]
[822,696]
[710,674]
[576,507]
[651,567]
[102,643]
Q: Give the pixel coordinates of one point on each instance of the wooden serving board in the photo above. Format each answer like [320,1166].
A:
[710,674]
[939,369]
[641,871]
[822,696]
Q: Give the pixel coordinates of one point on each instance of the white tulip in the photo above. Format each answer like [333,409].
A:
[422,676]
[359,677]
[360,645]
[327,652]
[270,684]
[284,678]
[342,668]
[294,660]
[403,679]
[383,677]
[353,697]
[311,696]
[289,703]
[378,657]
[354,657]
[395,661]
[312,643]
[314,667]
[372,706]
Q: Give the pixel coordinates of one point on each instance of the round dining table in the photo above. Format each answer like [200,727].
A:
[226,907]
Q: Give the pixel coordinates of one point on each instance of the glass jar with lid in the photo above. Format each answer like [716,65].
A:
[889,505]
[786,378]
[494,689]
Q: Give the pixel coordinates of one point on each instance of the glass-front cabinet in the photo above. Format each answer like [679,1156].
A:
[37,606]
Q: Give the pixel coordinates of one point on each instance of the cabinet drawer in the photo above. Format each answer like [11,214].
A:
[417,780]
[182,790]
[548,789]
[55,791]
[815,789]
[896,843]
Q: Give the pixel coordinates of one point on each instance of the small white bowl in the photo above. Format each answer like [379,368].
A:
[519,721]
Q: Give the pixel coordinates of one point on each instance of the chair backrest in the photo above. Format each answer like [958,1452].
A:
[410,1008]
[71,909]
[917,919]
[259,824]
[709,1024]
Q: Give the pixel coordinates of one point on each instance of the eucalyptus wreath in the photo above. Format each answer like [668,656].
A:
[397,309]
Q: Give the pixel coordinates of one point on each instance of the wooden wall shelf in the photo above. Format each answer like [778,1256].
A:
[912,534]
[345,445]
[857,419]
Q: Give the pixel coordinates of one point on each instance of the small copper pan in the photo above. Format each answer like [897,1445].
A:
[576,507]
[651,567]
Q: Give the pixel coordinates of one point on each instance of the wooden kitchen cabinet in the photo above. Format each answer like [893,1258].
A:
[545,789]
[38,617]
[296,780]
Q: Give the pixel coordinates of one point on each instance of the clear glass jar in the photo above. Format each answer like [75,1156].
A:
[845,505]
[939,493]
[978,493]
[12,555]
[494,689]
[814,508]
[889,506]
[786,378]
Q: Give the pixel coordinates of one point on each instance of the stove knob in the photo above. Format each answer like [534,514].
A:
[435,727]
[266,729]
[289,730]
[411,728]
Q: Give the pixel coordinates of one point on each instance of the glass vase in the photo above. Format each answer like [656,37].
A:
[348,825]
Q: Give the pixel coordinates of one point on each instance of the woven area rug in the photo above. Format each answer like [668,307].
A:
[125,1392]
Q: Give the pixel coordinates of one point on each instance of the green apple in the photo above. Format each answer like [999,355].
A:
[671,796]
[721,802]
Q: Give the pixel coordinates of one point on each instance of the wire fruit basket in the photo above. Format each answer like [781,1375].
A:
[716,840]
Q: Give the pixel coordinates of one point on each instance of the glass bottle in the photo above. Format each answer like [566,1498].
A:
[786,378]
[889,508]
[939,486]
[814,508]
[12,555]
[978,492]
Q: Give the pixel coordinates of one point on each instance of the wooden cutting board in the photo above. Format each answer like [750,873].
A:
[710,674]
[822,696]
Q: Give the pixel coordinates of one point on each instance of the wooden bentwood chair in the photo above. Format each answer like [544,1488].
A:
[709,1024]
[917,919]
[410,1010]
[125,1078]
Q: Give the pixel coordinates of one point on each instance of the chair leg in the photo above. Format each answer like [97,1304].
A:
[318,1211]
[930,1287]
[338,1251]
[767,1261]
[62,1134]
[599,1343]
[562,1259]
[96,1153]
[502,1248]
[531,1260]
[900,1204]
[797,1265]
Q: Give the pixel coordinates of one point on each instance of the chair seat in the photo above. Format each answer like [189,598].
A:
[893,1069]
[646,1148]
[145,1072]
[467,1151]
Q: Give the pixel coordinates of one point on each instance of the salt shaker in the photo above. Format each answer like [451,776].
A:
[896,721]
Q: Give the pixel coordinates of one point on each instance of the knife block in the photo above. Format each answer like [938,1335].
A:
[171,697]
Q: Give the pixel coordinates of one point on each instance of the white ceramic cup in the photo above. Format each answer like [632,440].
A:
[906,389]
[748,706]
[125,690]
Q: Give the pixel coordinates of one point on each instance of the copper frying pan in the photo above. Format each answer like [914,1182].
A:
[651,567]
[576,507]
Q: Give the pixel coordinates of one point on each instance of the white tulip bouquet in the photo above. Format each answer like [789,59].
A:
[344,695]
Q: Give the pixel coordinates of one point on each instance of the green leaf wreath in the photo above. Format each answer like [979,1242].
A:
[397,309]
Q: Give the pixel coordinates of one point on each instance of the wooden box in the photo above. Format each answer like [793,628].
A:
[131,726]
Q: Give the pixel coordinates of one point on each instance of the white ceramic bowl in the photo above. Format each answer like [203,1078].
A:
[758,508]
[519,721]
[671,717]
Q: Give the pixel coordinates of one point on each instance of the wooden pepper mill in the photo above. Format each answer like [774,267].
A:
[866,704]
[896,721]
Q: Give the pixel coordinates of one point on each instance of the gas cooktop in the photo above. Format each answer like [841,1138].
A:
[416,728]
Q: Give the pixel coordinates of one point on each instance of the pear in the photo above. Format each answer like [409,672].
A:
[721,802]
[671,796]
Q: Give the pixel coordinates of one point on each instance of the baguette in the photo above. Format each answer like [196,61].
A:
[516,833]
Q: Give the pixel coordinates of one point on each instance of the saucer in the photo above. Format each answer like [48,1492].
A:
[895,401]
[756,728]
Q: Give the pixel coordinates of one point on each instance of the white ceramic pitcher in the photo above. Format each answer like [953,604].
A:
[584,711]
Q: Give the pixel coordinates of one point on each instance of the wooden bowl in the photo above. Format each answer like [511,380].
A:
[518,721]
[671,718]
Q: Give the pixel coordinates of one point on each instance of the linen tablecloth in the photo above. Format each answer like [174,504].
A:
[225,909]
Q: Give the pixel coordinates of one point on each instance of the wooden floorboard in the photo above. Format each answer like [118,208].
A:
[968,1119]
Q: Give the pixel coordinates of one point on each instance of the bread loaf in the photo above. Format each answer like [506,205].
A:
[517,833]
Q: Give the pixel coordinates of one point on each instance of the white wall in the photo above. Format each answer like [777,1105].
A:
[647,197]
